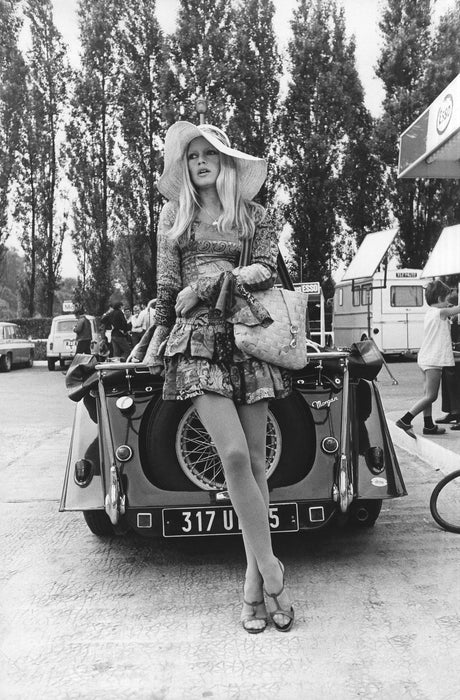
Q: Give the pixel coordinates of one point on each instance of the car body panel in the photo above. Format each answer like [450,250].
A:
[19,349]
[326,402]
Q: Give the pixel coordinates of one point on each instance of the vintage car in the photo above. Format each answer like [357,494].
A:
[14,349]
[139,463]
[61,342]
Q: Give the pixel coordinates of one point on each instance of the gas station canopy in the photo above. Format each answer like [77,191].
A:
[430,147]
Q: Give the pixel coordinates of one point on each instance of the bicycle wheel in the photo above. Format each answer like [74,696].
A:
[445,502]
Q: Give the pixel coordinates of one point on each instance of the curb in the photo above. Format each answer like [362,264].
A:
[434,453]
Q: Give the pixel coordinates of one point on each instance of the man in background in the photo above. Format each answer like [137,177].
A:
[82,330]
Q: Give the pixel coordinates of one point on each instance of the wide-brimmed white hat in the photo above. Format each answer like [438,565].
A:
[252,170]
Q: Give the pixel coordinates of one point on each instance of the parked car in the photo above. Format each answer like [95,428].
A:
[61,343]
[139,463]
[14,350]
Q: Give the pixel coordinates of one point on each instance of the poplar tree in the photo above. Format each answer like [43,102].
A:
[141,101]
[12,71]
[202,60]
[321,115]
[255,85]
[91,135]
[48,75]
[405,28]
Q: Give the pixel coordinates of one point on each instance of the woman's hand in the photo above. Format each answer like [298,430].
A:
[186,300]
[252,274]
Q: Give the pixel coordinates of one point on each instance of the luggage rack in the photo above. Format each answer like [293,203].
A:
[141,368]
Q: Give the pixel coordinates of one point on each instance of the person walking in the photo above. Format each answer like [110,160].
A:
[82,330]
[435,353]
[210,187]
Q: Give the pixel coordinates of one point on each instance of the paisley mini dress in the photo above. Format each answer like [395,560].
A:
[198,351]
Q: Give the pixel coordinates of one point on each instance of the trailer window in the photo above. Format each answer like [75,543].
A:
[366,295]
[410,295]
[356,296]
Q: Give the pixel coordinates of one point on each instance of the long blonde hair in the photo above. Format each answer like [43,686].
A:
[237,212]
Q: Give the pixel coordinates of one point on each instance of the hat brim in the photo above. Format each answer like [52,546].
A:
[252,170]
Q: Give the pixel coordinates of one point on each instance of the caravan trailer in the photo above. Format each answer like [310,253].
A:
[390,310]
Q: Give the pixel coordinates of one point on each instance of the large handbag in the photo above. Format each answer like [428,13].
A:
[281,338]
[283,341]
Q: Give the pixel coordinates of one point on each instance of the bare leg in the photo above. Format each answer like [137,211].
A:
[225,426]
[254,422]
[431,383]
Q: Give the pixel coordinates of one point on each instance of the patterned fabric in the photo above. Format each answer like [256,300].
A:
[198,351]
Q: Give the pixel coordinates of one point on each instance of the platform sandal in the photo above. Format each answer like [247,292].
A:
[249,617]
[279,610]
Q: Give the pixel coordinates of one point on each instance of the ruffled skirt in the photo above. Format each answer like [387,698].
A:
[201,356]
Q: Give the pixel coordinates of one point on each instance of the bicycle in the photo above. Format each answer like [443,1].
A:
[445,502]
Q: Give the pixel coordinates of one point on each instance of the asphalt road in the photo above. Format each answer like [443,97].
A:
[377,611]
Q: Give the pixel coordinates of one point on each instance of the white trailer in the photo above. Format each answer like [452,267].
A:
[388,307]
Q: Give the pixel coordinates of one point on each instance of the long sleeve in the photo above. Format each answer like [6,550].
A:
[169,269]
[169,285]
[263,260]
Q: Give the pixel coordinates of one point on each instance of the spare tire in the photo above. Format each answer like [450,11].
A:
[178,454]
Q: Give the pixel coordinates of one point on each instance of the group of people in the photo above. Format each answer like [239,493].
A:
[437,362]
[126,328]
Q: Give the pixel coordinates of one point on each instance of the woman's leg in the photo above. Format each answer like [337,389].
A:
[254,422]
[431,382]
[238,450]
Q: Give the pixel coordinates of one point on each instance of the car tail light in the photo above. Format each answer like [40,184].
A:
[83,472]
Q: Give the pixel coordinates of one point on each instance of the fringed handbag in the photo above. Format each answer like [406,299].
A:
[278,334]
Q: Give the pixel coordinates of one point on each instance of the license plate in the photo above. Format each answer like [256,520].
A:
[69,344]
[222,520]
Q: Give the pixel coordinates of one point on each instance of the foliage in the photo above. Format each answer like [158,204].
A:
[405,28]
[255,86]
[47,79]
[140,104]
[11,107]
[91,135]
[323,119]
[202,60]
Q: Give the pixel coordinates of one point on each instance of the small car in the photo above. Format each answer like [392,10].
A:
[14,350]
[138,463]
[61,343]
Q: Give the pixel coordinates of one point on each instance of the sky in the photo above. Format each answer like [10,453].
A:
[362,18]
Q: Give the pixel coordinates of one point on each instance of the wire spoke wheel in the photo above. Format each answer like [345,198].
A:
[445,502]
[198,456]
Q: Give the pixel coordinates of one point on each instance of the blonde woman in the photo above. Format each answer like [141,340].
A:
[210,187]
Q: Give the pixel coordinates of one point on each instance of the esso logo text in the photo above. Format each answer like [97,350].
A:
[444,114]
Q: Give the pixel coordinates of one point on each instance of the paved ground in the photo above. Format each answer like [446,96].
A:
[377,611]
[442,452]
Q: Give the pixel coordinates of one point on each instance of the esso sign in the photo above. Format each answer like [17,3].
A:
[68,307]
[444,114]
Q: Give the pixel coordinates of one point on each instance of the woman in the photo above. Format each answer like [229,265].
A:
[210,212]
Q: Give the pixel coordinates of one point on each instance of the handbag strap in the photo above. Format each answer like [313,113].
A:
[293,327]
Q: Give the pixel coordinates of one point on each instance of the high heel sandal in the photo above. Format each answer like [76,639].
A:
[253,616]
[279,610]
